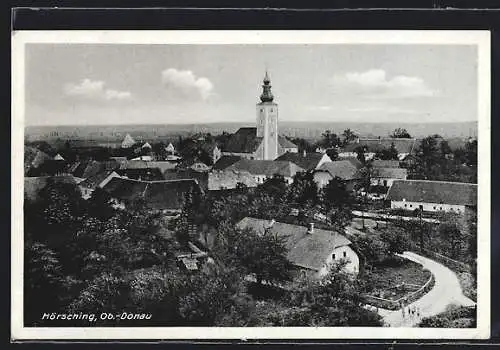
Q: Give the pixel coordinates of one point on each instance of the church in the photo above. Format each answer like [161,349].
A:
[262,142]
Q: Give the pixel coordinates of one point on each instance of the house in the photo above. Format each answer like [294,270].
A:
[262,142]
[432,196]
[229,179]
[166,196]
[263,169]
[146,146]
[58,157]
[144,158]
[343,169]
[378,163]
[170,148]
[188,173]
[146,174]
[200,167]
[309,249]
[128,141]
[307,161]
[371,146]
[386,176]
[142,164]
[225,161]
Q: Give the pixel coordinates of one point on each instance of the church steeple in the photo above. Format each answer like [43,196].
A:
[267,95]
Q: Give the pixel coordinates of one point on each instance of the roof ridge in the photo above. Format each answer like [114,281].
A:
[448,182]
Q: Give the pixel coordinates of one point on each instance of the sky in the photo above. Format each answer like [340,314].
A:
[82,84]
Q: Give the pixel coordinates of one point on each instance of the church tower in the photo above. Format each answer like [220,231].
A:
[267,121]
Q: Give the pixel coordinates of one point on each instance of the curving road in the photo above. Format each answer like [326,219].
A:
[446,291]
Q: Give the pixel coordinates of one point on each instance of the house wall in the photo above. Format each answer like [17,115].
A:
[323,160]
[261,178]
[322,178]
[216,154]
[337,255]
[432,207]
[374,181]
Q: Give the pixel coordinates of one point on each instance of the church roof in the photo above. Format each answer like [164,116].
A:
[244,140]
[286,143]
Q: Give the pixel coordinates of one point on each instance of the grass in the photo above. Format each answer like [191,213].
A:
[395,280]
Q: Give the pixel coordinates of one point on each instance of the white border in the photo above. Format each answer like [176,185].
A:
[479,38]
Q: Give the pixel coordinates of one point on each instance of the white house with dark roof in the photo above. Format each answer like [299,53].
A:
[263,169]
[386,176]
[261,142]
[308,161]
[310,249]
[432,196]
[371,146]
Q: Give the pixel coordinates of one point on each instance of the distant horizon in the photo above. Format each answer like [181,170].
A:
[396,124]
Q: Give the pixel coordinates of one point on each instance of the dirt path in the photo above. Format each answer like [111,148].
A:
[446,291]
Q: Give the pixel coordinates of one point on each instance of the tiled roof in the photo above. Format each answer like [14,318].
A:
[183,174]
[309,250]
[142,164]
[377,163]
[308,162]
[266,167]
[161,195]
[374,145]
[244,140]
[33,185]
[225,161]
[355,162]
[146,174]
[433,192]
[229,179]
[343,169]
[390,173]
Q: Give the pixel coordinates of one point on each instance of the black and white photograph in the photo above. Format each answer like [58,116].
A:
[251,184]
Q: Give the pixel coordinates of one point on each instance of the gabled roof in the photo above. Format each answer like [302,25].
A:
[378,163]
[309,162]
[147,174]
[143,164]
[146,145]
[444,192]
[160,195]
[58,157]
[286,143]
[266,167]
[343,169]
[183,174]
[374,145]
[309,250]
[244,140]
[225,161]
[390,173]
[229,179]
[128,141]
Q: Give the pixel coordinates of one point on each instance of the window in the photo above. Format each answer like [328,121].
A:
[421,207]
[440,208]
[271,109]
[262,109]
[434,208]
[333,256]
[345,254]
[411,205]
[406,205]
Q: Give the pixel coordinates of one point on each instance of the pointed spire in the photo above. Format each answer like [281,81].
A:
[267,95]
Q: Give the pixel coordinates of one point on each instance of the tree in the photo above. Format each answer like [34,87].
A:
[303,191]
[360,153]
[400,133]
[471,153]
[396,240]
[349,136]
[336,203]
[329,140]
[332,153]
[274,186]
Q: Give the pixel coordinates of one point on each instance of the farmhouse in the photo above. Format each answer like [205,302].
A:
[386,176]
[403,146]
[432,196]
[343,169]
[307,161]
[310,249]
[166,196]
[263,169]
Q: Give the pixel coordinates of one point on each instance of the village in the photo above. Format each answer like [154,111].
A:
[244,229]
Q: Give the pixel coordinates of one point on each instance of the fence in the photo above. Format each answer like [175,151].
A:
[405,300]
[453,264]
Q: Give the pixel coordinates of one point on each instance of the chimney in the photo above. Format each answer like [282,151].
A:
[311,228]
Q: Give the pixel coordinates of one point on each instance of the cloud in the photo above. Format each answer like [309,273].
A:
[187,83]
[95,89]
[375,83]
